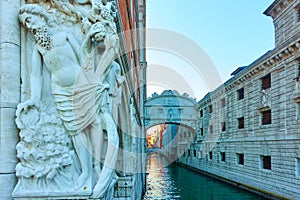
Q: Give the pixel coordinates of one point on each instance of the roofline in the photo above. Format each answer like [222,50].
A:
[267,11]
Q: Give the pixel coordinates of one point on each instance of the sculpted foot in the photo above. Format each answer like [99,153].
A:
[102,186]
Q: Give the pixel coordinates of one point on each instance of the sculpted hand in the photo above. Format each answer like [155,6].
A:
[27,104]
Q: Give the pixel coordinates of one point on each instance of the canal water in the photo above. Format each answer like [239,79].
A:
[169,181]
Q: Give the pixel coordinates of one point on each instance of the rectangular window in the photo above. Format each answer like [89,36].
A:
[241,123]
[266,117]
[211,129]
[200,154]
[222,156]
[297,167]
[210,108]
[189,152]
[201,113]
[266,82]
[195,153]
[223,126]
[180,111]
[240,93]
[160,111]
[265,162]
[240,158]
[201,131]
[223,102]
[210,155]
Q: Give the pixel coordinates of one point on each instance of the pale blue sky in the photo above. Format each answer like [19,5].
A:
[233,33]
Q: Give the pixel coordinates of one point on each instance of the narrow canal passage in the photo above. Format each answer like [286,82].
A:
[175,182]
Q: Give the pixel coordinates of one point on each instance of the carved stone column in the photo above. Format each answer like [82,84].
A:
[9,93]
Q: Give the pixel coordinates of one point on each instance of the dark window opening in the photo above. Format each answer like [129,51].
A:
[210,108]
[240,94]
[266,82]
[222,156]
[266,162]
[223,126]
[266,117]
[201,113]
[241,123]
[210,155]
[195,154]
[240,159]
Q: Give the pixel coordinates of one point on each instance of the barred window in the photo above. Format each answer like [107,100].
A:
[222,156]
[210,108]
[240,159]
[266,117]
[266,82]
[241,123]
[223,126]
[240,93]
[266,162]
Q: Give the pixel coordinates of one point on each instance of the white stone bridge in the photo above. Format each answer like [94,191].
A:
[171,108]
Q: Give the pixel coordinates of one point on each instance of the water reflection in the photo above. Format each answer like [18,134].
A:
[175,182]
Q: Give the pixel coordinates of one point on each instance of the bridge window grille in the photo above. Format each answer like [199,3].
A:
[223,126]
[223,103]
[266,117]
[200,154]
[201,131]
[266,82]
[210,155]
[241,123]
[265,162]
[160,111]
[240,93]
[222,156]
[240,158]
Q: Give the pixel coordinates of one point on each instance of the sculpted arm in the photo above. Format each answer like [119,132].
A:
[35,83]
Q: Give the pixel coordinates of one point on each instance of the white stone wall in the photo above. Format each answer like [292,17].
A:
[280,139]
[9,93]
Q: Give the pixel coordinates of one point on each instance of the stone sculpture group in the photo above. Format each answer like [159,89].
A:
[73,84]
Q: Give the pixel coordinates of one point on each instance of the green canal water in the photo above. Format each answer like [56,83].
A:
[170,181]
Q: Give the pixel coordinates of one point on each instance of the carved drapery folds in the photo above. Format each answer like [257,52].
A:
[73,89]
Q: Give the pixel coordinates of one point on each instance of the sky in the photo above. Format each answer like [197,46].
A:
[221,35]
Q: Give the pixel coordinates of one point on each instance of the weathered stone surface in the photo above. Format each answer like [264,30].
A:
[8,138]
[7,183]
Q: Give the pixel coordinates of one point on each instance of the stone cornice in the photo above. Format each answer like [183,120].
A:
[272,58]
[290,48]
[277,8]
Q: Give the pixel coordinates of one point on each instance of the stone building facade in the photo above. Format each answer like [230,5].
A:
[248,128]
[14,57]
